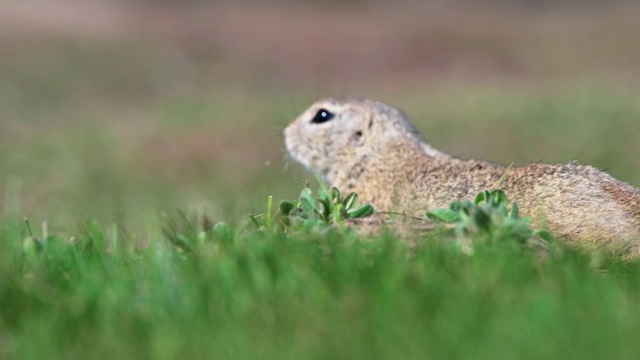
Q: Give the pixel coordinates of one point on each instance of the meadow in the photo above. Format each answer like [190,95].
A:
[130,130]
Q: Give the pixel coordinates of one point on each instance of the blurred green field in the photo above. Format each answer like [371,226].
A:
[163,107]
[113,113]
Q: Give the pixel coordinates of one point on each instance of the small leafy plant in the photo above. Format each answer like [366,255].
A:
[488,214]
[329,207]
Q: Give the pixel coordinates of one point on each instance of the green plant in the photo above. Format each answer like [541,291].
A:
[488,214]
[329,207]
[264,221]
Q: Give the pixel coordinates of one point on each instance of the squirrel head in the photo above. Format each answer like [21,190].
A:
[333,135]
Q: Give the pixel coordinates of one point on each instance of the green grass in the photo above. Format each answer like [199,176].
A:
[251,294]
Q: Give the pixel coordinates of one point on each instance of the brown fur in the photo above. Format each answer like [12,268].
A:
[373,149]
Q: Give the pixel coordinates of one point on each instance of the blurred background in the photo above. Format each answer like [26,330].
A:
[116,109]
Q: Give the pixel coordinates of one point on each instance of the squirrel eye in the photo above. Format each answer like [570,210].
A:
[321,116]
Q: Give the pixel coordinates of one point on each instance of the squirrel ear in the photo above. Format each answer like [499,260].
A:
[356,138]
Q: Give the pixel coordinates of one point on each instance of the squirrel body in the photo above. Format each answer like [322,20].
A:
[373,149]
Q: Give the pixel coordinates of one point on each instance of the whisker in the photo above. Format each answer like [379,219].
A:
[273,155]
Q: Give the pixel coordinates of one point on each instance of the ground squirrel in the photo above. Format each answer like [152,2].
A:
[373,149]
